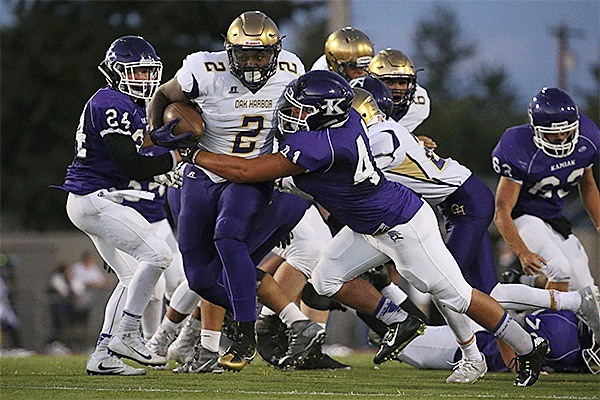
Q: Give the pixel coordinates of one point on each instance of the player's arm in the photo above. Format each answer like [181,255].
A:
[267,167]
[507,194]
[167,93]
[590,196]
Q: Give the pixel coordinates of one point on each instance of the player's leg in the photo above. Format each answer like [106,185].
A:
[540,238]
[422,258]
[347,256]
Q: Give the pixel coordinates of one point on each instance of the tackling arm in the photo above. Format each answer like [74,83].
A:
[507,194]
[590,196]
[167,93]
[267,167]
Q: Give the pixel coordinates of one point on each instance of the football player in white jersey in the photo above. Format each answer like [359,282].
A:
[461,198]
[237,91]
[398,72]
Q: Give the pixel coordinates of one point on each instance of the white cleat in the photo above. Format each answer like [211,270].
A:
[100,363]
[183,348]
[467,371]
[130,345]
[589,310]
[160,341]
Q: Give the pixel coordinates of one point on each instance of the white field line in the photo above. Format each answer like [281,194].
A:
[324,394]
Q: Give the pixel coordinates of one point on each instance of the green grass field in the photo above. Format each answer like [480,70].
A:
[63,377]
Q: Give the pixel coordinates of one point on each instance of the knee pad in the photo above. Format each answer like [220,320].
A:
[379,277]
[312,299]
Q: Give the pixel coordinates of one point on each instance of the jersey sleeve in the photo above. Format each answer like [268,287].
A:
[418,110]
[191,73]
[505,158]
[320,64]
[310,150]
[589,130]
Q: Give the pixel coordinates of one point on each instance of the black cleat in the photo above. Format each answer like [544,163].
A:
[324,362]
[398,336]
[239,354]
[512,275]
[305,336]
[530,365]
[272,338]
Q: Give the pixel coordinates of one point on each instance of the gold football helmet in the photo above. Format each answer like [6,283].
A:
[398,72]
[365,104]
[253,44]
[348,47]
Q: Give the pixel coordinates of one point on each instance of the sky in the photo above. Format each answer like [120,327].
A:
[515,34]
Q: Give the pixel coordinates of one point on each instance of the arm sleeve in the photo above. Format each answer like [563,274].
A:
[135,165]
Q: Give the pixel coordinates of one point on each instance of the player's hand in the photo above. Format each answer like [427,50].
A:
[428,142]
[171,178]
[164,137]
[531,262]
[188,155]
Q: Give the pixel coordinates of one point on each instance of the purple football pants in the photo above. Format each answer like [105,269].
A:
[225,229]
[468,213]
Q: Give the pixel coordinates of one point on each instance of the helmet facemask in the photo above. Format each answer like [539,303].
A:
[138,88]
[253,65]
[293,116]
[559,150]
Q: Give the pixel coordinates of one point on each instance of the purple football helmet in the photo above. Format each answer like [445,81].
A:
[553,112]
[124,56]
[378,90]
[317,100]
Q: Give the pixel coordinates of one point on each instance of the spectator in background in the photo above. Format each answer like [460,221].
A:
[9,322]
[61,297]
[86,276]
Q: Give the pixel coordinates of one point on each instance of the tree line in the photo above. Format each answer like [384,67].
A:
[51,51]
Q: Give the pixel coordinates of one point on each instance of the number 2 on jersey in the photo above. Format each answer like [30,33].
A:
[244,143]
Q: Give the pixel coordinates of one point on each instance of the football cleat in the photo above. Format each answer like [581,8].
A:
[160,341]
[589,310]
[305,335]
[323,362]
[202,362]
[101,363]
[530,365]
[239,354]
[468,371]
[271,337]
[184,347]
[130,345]
[398,336]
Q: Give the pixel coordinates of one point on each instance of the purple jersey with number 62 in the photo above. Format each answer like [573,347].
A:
[546,180]
[93,168]
[343,178]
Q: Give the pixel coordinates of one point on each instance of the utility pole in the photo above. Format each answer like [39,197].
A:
[565,57]
[339,14]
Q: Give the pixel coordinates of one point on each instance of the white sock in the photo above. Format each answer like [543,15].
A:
[394,293]
[513,334]
[290,314]
[130,322]
[210,340]
[470,351]
[168,325]
[567,300]
[266,311]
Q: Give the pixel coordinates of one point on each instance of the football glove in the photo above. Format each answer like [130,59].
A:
[164,137]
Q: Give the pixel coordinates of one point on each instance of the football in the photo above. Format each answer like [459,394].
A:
[190,119]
